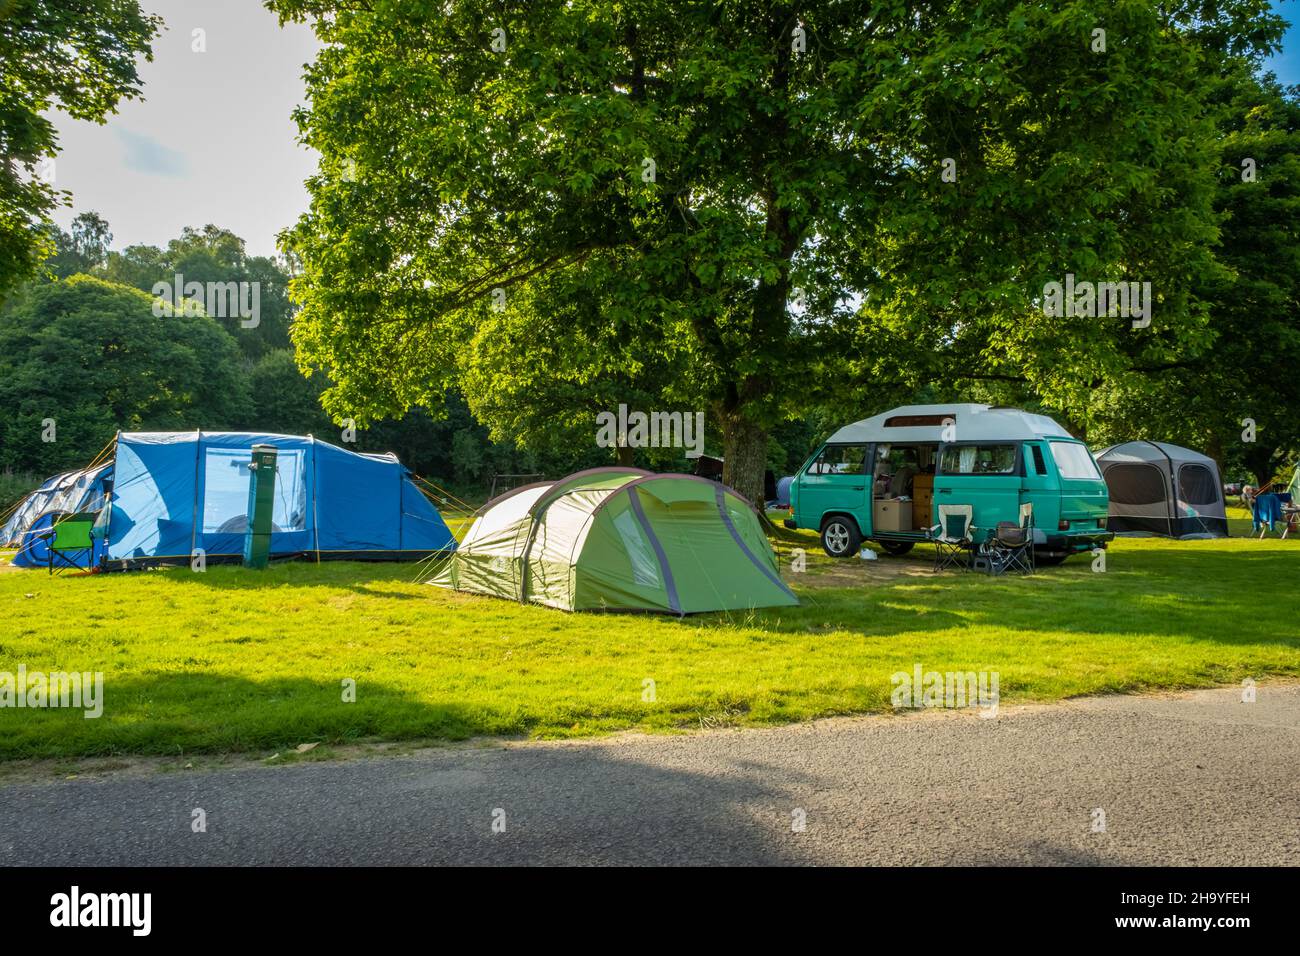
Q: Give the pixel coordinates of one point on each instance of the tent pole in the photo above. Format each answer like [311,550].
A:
[1173,488]
[194,514]
[315,520]
[108,501]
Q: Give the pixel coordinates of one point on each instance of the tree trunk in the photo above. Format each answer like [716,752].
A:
[744,450]
[624,456]
[1259,460]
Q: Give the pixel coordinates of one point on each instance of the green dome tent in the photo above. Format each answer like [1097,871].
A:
[620,539]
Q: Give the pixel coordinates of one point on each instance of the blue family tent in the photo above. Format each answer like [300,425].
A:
[175,494]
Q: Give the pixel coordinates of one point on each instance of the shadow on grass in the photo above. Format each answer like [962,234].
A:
[216,713]
[1199,593]
[359,577]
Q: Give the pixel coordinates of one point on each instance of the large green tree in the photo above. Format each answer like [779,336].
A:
[80,58]
[785,197]
[81,358]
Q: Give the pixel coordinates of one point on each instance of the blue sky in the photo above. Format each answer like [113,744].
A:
[1287,64]
[213,141]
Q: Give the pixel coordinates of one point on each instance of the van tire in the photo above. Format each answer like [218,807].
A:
[840,536]
[896,549]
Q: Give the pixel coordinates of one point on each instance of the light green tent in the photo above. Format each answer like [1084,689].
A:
[620,538]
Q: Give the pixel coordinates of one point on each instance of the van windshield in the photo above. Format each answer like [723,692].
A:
[1074,461]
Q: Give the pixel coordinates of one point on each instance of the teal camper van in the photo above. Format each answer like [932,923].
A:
[884,479]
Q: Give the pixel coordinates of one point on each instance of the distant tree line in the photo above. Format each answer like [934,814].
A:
[81,346]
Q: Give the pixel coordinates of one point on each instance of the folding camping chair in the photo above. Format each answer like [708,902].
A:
[70,534]
[1011,546]
[1289,512]
[952,536]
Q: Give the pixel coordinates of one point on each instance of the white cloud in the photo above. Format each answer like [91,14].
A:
[213,139]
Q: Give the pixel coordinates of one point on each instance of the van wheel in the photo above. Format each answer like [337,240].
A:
[840,537]
[1049,560]
[896,549]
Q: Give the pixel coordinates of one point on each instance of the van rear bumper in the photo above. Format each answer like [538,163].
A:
[1074,543]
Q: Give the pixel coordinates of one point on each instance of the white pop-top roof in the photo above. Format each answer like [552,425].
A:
[970,423]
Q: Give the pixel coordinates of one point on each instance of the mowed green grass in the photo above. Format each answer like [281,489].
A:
[231,660]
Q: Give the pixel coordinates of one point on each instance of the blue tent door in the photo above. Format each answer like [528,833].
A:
[225,480]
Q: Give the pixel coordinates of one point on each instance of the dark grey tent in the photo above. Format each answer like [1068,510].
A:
[1162,489]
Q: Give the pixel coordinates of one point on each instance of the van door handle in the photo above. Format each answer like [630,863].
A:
[945,491]
[857,487]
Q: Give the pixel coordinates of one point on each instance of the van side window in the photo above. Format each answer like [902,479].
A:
[840,460]
[1040,466]
[979,460]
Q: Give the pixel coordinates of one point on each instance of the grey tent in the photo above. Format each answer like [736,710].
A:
[1162,489]
[71,491]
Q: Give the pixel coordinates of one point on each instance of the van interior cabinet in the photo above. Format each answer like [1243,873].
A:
[891,514]
[922,500]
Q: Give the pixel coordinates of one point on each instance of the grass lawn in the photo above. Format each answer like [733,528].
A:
[230,660]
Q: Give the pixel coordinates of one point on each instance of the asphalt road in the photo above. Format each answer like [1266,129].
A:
[1200,778]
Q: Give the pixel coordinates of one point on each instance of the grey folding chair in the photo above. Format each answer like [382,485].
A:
[1011,547]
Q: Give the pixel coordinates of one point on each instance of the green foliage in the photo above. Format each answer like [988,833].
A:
[284,400]
[467,457]
[92,356]
[1247,372]
[212,254]
[14,487]
[540,370]
[452,446]
[451,169]
[82,249]
[76,57]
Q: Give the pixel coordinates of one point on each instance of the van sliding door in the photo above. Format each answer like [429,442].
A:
[984,475]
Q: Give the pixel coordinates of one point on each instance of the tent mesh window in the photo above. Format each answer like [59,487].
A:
[1196,485]
[225,491]
[1136,484]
